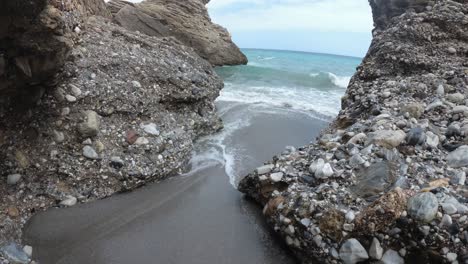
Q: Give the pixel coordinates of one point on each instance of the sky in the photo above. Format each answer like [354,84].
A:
[328,26]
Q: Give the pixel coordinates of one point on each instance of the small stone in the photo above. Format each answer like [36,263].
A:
[460,109]
[453,130]
[361,137]
[70,98]
[415,110]
[65,111]
[117,162]
[69,201]
[392,257]
[432,140]
[416,136]
[325,172]
[458,158]
[423,206]
[136,84]
[350,216]
[77,30]
[376,250]
[28,250]
[352,252]
[387,138]
[440,90]
[90,153]
[356,160]
[452,256]
[451,50]
[88,141]
[131,137]
[305,222]
[13,211]
[99,146]
[142,141]
[276,177]
[456,98]
[59,137]
[446,221]
[14,253]
[13,179]
[265,169]
[75,90]
[90,127]
[449,208]
[151,129]
[316,165]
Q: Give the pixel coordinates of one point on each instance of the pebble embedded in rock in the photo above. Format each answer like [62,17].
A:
[276,177]
[324,172]
[423,206]
[90,127]
[432,140]
[386,138]
[416,136]
[70,98]
[14,253]
[13,179]
[376,250]
[151,129]
[352,252]
[75,90]
[458,158]
[69,201]
[356,160]
[136,84]
[350,216]
[90,153]
[142,141]
[451,50]
[28,250]
[392,257]
[265,169]
[117,162]
[59,136]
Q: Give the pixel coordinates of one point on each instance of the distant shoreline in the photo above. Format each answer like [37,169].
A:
[308,52]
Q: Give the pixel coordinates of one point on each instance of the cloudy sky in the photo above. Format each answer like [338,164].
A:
[329,26]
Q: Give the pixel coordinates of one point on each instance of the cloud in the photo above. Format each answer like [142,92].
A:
[284,15]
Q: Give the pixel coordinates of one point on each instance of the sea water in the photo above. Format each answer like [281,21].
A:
[274,84]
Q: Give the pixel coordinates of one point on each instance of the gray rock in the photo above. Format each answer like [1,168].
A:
[352,252]
[324,172]
[316,165]
[446,221]
[28,250]
[387,138]
[451,257]
[276,177]
[458,158]
[449,208]
[13,179]
[416,136]
[392,257]
[356,160]
[460,109]
[375,250]
[453,130]
[414,110]
[70,98]
[265,169]
[432,140]
[69,201]
[455,98]
[117,162]
[375,179]
[14,253]
[452,50]
[75,90]
[90,153]
[151,129]
[461,208]
[59,136]
[423,206]
[90,127]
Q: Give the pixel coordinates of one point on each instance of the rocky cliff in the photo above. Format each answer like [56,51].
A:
[188,21]
[387,180]
[89,109]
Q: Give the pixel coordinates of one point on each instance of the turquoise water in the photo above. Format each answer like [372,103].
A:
[301,81]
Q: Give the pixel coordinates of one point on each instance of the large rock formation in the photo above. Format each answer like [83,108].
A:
[188,21]
[35,39]
[387,180]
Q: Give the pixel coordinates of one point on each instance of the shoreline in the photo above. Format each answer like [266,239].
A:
[182,209]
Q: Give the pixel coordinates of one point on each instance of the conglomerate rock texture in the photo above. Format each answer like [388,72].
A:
[35,40]
[188,21]
[88,109]
[387,180]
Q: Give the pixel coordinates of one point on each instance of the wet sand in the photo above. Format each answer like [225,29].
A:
[195,218]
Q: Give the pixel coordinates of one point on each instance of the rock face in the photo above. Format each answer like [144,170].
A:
[400,170]
[36,38]
[125,111]
[188,21]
